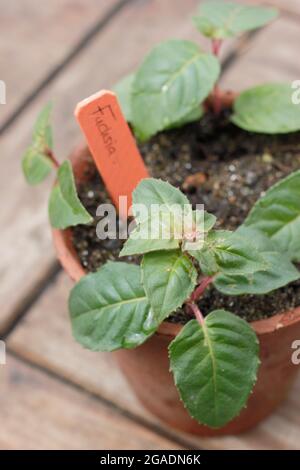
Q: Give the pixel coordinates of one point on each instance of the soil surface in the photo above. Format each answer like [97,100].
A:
[222,167]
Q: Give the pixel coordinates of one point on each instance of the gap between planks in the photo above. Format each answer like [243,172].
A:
[41,412]
[152,427]
[82,43]
[32,297]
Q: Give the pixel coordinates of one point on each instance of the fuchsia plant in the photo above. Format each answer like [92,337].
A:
[214,358]
[169,88]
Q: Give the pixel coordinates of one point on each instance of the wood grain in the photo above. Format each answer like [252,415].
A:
[38,412]
[35,38]
[44,337]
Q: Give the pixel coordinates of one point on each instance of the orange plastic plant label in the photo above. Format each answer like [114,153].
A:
[112,145]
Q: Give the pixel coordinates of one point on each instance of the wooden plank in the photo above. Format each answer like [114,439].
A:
[35,38]
[271,56]
[25,238]
[44,337]
[38,412]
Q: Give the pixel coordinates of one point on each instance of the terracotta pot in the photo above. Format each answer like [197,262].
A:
[147,367]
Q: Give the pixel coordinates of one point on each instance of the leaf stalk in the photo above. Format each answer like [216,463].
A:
[197,312]
[217,103]
[200,289]
[52,157]
[198,292]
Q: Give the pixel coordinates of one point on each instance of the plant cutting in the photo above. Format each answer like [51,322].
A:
[122,305]
[65,208]
[169,88]
[214,359]
[196,293]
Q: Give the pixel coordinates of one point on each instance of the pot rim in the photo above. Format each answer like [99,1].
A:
[69,260]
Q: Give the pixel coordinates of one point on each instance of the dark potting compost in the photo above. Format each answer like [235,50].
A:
[216,164]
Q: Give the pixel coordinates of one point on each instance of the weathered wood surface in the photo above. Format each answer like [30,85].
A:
[35,39]
[39,412]
[44,338]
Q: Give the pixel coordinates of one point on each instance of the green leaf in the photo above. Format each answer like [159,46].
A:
[209,220]
[194,234]
[277,215]
[267,109]
[158,209]
[164,219]
[207,260]
[169,279]
[36,164]
[151,191]
[65,208]
[220,19]
[215,367]
[154,196]
[194,115]
[109,309]
[153,234]
[203,221]
[162,230]
[42,134]
[165,229]
[279,273]
[123,90]
[172,81]
[229,253]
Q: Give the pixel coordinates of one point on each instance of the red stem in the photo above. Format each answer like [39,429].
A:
[52,157]
[216,46]
[198,292]
[197,312]
[217,103]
